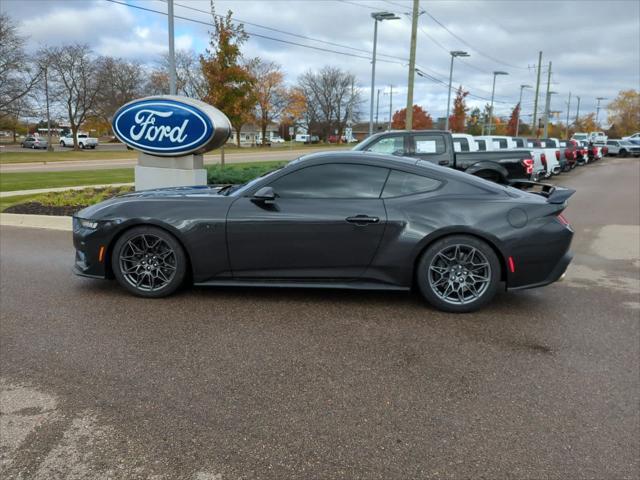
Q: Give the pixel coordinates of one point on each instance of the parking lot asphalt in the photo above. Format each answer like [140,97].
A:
[253,383]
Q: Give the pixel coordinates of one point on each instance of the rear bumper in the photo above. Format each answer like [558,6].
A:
[553,276]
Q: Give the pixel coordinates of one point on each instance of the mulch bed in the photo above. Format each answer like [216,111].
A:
[36,208]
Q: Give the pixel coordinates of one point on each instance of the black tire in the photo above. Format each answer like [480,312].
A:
[622,152]
[33,146]
[174,271]
[62,144]
[485,290]
[81,146]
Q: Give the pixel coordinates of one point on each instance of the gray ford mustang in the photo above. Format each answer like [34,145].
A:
[334,220]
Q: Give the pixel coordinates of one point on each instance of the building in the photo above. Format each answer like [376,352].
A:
[251,134]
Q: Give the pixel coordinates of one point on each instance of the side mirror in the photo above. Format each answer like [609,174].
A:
[265,195]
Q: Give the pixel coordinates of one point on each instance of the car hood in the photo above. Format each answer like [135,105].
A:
[173,193]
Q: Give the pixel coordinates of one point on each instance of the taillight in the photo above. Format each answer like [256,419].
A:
[527,163]
[543,159]
[563,220]
[575,154]
[567,153]
[557,154]
[605,150]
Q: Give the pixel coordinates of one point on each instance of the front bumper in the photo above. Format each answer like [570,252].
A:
[91,258]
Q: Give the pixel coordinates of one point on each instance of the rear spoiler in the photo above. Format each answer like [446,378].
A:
[553,194]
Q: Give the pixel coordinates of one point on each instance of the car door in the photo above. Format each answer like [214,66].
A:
[430,146]
[326,221]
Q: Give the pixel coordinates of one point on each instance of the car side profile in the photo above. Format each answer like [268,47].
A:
[34,143]
[354,220]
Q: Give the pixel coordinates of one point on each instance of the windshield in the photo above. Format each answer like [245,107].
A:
[244,186]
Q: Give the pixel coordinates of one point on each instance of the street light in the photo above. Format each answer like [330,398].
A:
[377,17]
[493,91]
[546,112]
[454,54]
[522,87]
[599,99]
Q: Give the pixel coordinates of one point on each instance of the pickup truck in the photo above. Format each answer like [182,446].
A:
[551,153]
[436,146]
[84,141]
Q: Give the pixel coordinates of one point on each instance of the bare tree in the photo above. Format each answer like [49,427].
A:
[18,75]
[332,98]
[120,82]
[272,97]
[190,81]
[73,82]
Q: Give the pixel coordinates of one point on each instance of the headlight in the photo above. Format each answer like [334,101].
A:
[84,223]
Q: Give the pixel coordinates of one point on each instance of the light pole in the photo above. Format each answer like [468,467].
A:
[546,112]
[522,87]
[578,112]
[172,52]
[377,107]
[454,54]
[493,91]
[599,99]
[377,17]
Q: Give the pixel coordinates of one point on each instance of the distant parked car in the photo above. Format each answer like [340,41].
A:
[635,136]
[623,148]
[35,143]
[277,140]
[598,137]
[580,136]
[84,141]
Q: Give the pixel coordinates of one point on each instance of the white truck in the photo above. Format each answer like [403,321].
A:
[84,141]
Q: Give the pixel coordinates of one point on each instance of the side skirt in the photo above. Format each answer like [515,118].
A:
[279,283]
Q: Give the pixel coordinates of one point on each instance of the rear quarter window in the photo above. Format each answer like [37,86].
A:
[400,184]
[461,144]
[481,145]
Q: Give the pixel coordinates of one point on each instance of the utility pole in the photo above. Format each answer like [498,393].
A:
[547,102]
[172,52]
[599,99]
[412,64]
[568,108]
[535,101]
[578,111]
[454,54]
[390,105]
[377,107]
[493,91]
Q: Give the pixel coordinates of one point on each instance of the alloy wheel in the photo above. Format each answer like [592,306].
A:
[459,274]
[147,262]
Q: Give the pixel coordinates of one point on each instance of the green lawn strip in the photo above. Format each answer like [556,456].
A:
[66,156]
[33,180]
[68,198]
[233,173]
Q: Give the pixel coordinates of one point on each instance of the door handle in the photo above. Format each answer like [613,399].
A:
[362,219]
[443,162]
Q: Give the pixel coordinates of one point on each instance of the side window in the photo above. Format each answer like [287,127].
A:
[611,142]
[482,146]
[390,145]
[402,183]
[502,143]
[429,144]
[519,142]
[461,144]
[334,180]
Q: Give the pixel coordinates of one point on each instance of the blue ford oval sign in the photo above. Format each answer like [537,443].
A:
[169,125]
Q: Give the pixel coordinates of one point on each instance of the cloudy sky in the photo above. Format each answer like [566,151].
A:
[594,45]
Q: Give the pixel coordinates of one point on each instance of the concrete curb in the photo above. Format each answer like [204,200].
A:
[49,222]
[16,193]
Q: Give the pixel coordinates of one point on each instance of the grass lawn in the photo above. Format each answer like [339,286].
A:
[6,202]
[31,180]
[65,156]
[231,173]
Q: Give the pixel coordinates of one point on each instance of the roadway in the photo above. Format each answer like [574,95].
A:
[252,383]
[233,156]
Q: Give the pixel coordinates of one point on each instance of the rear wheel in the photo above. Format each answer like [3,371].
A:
[149,262]
[458,274]
[623,152]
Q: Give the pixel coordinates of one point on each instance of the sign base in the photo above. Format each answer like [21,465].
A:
[160,172]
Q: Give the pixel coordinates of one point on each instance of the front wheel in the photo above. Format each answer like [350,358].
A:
[623,153]
[458,274]
[149,262]
[62,144]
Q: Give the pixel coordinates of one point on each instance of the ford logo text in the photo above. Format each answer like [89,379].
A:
[171,126]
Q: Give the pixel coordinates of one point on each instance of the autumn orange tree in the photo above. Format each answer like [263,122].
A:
[457,120]
[228,80]
[513,121]
[586,123]
[421,119]
[624,112]
[271,94]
